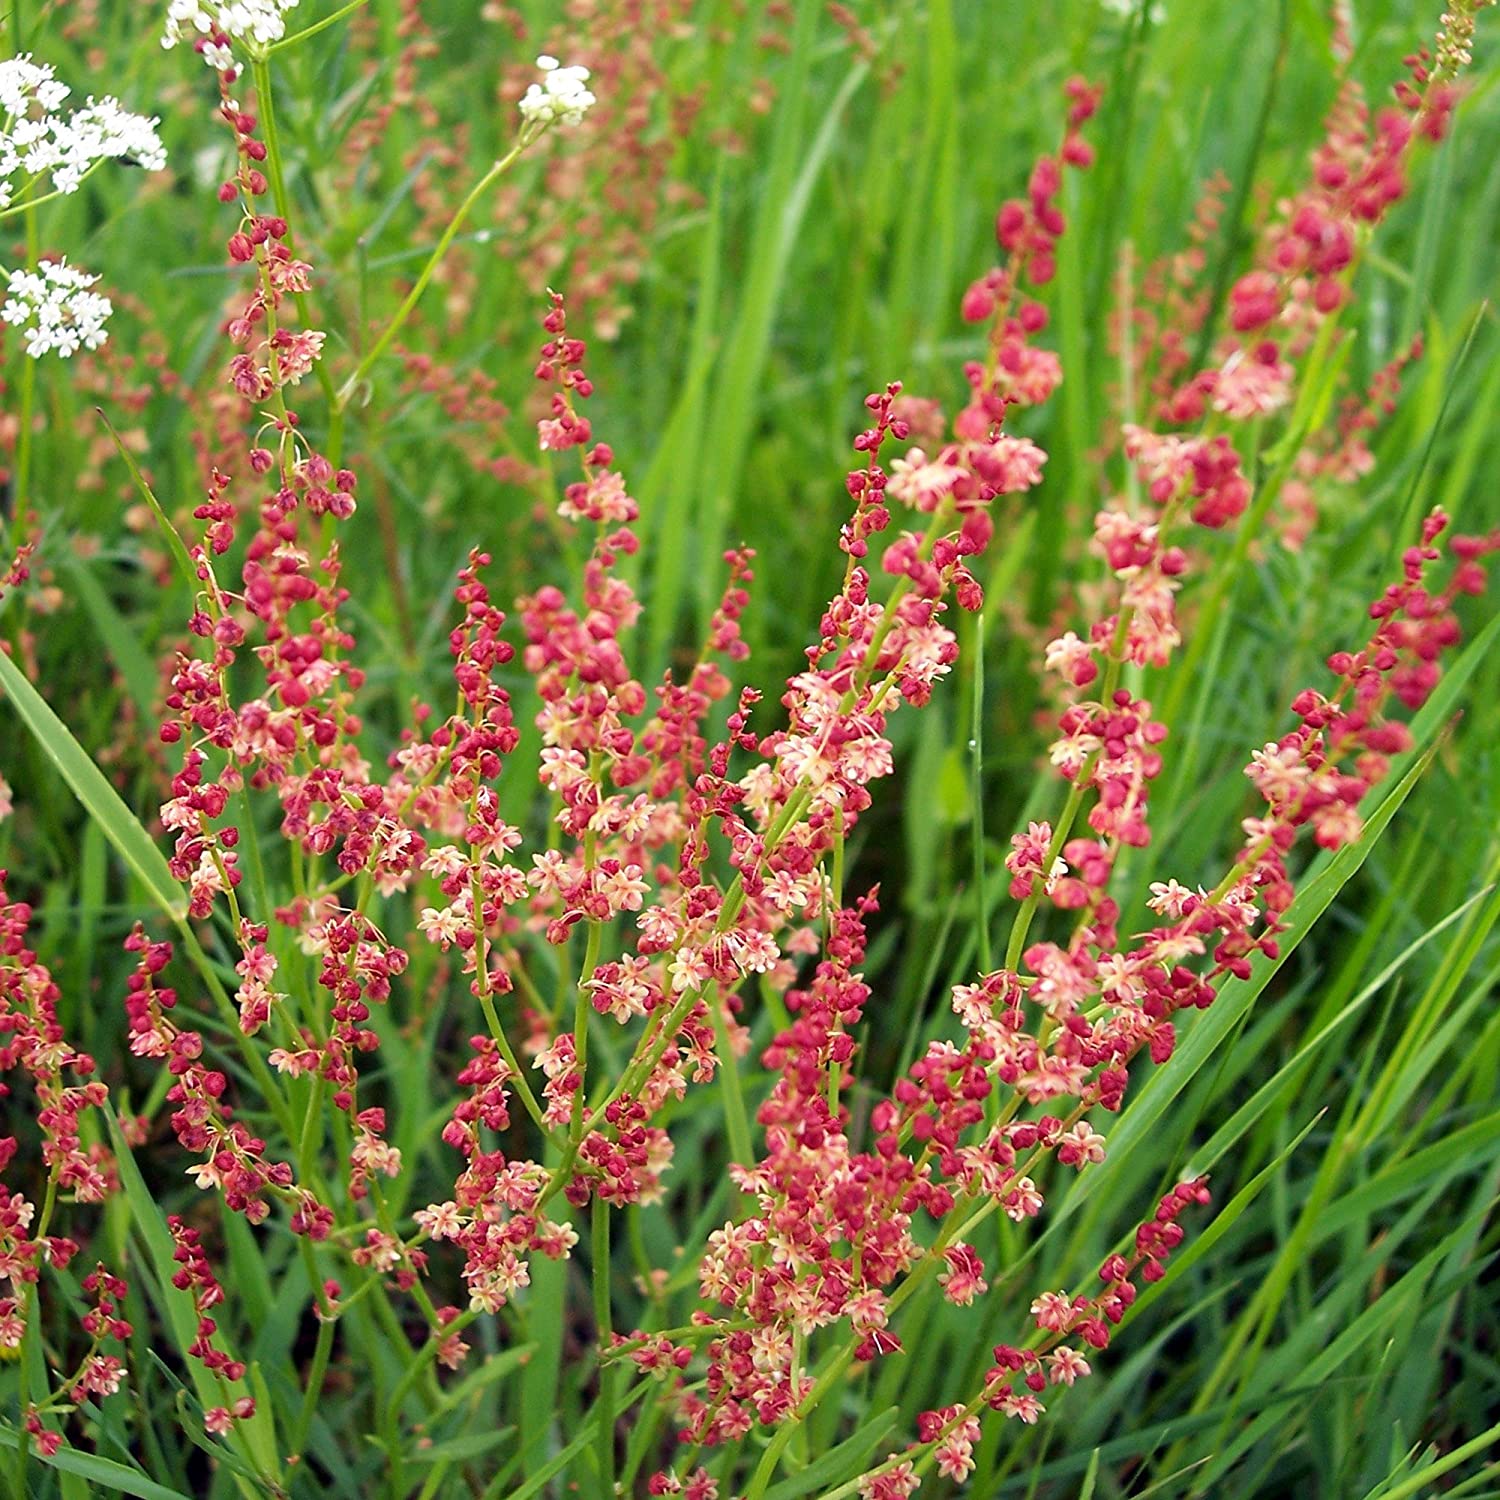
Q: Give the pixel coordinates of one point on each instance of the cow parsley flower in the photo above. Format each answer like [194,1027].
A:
[37,140]
[561,98]
[24,83]
[213,25]
[55,310]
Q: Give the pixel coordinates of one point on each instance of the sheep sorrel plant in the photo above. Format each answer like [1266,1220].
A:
[548,1065]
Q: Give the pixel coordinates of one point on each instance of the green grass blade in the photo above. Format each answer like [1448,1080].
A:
[849,1459]
[136,668]
[118,1478]
[102,802]
[1223,1222]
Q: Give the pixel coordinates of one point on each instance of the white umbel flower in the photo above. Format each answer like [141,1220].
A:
[24,83]
[212,25]
[55,310]
[561,98]
[36,140]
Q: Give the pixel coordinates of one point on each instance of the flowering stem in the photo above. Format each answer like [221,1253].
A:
[29,1351]
[424,1356]
[836,1068]
[844,1357]
[976,752]
[392,328]
[315,28]
[581,1008]
[771,1458]
[260,70]
[1022,924]
[736,1121]
[604,1437]
[482,990]
[1214,601]
[518,1078]
[734,899]
[265,1080]
[927,1450]
[315,1373]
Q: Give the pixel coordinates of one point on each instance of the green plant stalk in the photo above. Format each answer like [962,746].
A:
[1016,944]
[582,1006]
[315,28]
[30,1351]
[955,1227]
[736,1119]
[835,1069]
[480,188]
[1310,409]
[260,72]
[518,1077]
[734,896]
[487,1003]
[424,1356]
[976,753]
[604,1437]
[314,1388]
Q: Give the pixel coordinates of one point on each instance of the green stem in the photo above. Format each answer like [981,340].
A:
[604,1437]
[265,1080]
[439,251]
[734,896]
[30,1313]
[771,1458]
[315,1374]
[517,1076]
[315,28]
[736,1120]
[260,72]
[424,1356]
[976,753]
[30,203]
[582,1005]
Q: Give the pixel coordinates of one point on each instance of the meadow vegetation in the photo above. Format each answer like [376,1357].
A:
[748,748]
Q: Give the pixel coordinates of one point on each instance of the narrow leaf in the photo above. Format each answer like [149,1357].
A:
[102,802]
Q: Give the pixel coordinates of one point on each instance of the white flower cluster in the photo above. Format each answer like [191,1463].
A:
[258,22]
[561,98]
[35,139]
[55,309]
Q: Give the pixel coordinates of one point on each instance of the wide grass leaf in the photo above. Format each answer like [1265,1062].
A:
[102,802]
[105,1473]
